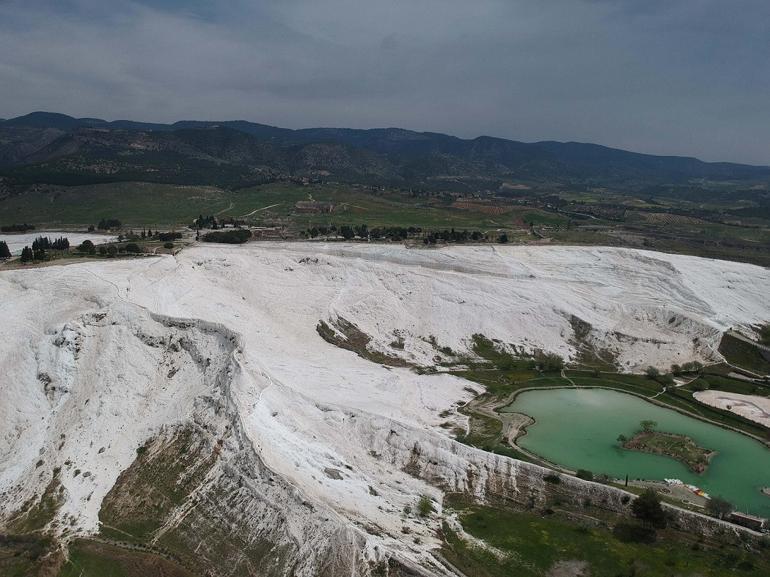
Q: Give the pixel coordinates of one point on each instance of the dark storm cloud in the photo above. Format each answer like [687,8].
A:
[665,76]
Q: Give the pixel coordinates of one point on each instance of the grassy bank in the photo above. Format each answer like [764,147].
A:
[553,543]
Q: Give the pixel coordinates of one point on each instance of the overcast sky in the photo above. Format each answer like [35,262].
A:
[685,77]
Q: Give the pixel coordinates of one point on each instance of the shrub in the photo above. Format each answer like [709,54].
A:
[168,245]
[719,507]
[634,533]
[17,227]
[133,248]
[584,474]
[425,506]
[87,247]
[552,478]
[234,236]
[652,373]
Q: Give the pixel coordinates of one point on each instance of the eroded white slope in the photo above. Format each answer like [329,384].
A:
[78,358]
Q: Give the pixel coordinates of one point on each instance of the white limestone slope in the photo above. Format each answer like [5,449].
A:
[16,242]
[83,370]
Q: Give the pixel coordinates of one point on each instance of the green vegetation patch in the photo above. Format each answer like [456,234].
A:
[26,555]
[744,354]
[96,559]
[529,545]
[679,447]
[158,481]
[344,334]
[36,514]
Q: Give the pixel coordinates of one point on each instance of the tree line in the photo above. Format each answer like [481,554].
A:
[399,233]
[17,227]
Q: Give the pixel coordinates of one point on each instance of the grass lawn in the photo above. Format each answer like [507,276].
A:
[93,559]
[151,204]
[744,355]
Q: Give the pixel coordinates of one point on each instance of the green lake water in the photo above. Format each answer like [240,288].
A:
[578,429]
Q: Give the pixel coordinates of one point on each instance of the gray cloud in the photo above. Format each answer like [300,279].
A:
[670,77]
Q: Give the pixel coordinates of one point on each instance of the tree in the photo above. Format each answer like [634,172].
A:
[133,247]
[719,507]
[647,508]
[652,373]
[622,439]
[584,474]
[503,238]
[27,255]
[111,251]
[87,247]
[5,252]
[648,426]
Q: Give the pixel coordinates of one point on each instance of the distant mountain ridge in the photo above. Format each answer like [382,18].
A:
[53,147]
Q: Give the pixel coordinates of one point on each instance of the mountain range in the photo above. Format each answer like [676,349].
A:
[59,149]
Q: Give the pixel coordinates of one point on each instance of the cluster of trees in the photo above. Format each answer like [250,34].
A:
[690,368]
[38,250]
[230,236]
[549,362]
[88,247]
[395,233]
[109,223]
[169,236]
[663,378]
[452,235]
[17,227]
[213,223]
[400,233]
[45,243]
[206,222]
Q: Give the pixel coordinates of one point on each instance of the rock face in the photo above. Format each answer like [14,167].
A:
[189,403]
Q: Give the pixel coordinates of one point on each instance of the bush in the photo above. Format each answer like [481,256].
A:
[168,236]
[87,247]
[425,506]
[234,236]
[652,373]
[634,533]
[552,478]
[132,247]
[168,245]
[584,474]
[17,227]
[718,507]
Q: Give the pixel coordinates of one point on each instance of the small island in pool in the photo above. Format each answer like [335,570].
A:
[679,447]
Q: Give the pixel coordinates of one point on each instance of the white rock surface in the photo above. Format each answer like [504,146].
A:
[752,407]
[83,370]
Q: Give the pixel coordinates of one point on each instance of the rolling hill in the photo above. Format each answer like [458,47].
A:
[59,149]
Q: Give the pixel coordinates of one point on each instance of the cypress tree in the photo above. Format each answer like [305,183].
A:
[5,252]
[27,255]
